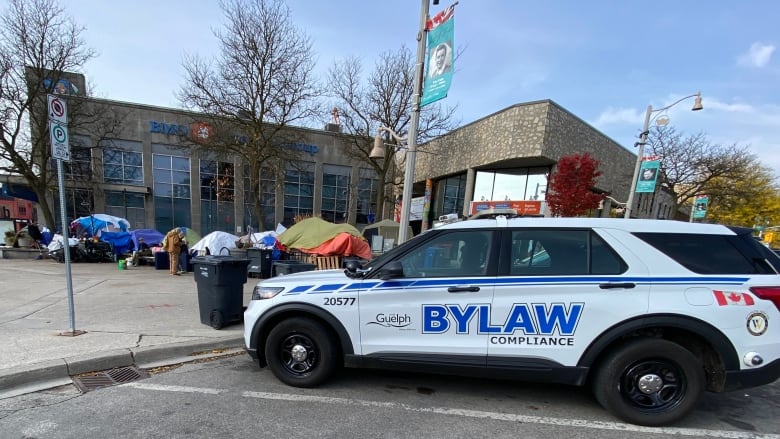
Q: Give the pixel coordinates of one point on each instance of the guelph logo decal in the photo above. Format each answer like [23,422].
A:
[392,320]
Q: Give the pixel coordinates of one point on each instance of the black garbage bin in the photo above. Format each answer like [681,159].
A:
[220,280]
[259,262]
[281,268]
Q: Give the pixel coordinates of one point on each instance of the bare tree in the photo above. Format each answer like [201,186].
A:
[690,163]
[383,98]
[259,87]
[39,46]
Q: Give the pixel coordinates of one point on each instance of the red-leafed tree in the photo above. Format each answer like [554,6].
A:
[570,189]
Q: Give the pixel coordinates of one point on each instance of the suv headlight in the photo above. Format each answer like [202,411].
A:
[261,292]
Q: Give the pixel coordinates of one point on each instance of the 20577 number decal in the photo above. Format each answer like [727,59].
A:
[339,301]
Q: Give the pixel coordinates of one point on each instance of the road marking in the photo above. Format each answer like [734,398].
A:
[181,389]
[542,420]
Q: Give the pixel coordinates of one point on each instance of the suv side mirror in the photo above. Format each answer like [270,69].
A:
[391,270]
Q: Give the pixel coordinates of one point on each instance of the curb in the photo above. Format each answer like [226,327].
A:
[25,379]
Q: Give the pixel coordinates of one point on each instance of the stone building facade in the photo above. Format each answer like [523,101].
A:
[524,139]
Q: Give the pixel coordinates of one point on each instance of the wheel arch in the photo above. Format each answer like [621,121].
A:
[297,309]
[704,340]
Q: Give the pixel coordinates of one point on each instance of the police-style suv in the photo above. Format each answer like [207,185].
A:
[650,314]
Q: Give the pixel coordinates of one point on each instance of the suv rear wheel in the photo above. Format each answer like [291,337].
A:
[649,382]
[301,352]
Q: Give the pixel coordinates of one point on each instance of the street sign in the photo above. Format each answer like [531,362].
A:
[58,128]
[60,147]
[58,110]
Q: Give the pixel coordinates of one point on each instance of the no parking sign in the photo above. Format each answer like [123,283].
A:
[58,128]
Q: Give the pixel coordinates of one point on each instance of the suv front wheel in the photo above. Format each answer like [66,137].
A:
[649,382]
[301,352]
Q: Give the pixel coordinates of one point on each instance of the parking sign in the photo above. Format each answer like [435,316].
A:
[58,128]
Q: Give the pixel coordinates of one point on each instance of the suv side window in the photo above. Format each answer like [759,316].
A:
[459,253]
[543,252]
[706,254]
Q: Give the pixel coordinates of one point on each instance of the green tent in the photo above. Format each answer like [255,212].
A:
[312,232]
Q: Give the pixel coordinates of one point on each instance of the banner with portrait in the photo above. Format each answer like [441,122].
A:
[700,206]
[648,175]
[440,62]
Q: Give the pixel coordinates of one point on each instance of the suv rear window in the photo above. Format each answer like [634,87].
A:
[711,254]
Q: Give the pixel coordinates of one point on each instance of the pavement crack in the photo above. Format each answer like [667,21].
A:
[138,342]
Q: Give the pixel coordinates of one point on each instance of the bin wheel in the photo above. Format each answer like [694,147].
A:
[216,319]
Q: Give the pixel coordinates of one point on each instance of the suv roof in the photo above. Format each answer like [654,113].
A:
[629,225]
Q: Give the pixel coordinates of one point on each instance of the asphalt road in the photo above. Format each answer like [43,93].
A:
[234,398]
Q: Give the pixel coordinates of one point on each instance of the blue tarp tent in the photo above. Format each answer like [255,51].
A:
[120,241]
[95,224]
[151,237]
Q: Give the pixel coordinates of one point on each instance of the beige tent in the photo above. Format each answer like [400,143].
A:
[385,228]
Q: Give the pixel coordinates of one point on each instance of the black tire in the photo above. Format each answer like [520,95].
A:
[673,379]
[216,319]
[315,352]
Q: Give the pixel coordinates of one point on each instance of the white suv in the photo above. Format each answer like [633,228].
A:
[650,314]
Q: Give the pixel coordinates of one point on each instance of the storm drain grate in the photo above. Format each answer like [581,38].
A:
[107,378]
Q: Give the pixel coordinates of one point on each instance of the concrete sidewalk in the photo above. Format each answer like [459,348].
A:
[139,316]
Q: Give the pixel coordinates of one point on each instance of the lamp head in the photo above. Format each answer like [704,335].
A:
[378,151]
[697,104]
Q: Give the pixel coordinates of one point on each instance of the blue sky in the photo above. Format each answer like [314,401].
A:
[604,60]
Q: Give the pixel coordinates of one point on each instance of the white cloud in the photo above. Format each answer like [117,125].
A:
[757,56]
[714,104]
[618,116]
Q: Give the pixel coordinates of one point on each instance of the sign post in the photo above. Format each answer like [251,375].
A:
[60,150]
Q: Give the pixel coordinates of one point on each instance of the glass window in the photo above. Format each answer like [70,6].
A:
[540,252]
[122,167]
[368,186]
[171,191]
[217,184]
[126,205]
[299,191]
[453,194]
[79,167]
[78,203]
[335,192]
[458,253]
[265,199]
[708,254]
[511,184]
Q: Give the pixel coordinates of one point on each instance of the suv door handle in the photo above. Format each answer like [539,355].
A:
[463,289]
[609,286]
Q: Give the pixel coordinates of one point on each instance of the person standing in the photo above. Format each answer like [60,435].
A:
[183,256]
[172,245]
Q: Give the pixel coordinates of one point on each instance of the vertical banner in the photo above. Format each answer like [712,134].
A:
[700,206]
[648,174]
[438,70]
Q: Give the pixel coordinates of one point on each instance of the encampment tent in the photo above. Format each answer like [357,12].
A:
[312,232]
[151,237]
[94,224]
[385,228]
[216,241]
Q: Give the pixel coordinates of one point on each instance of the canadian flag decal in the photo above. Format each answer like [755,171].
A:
[725,298]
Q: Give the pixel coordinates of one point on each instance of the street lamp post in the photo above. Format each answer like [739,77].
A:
[406,200]
[378,151]
[643,140]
